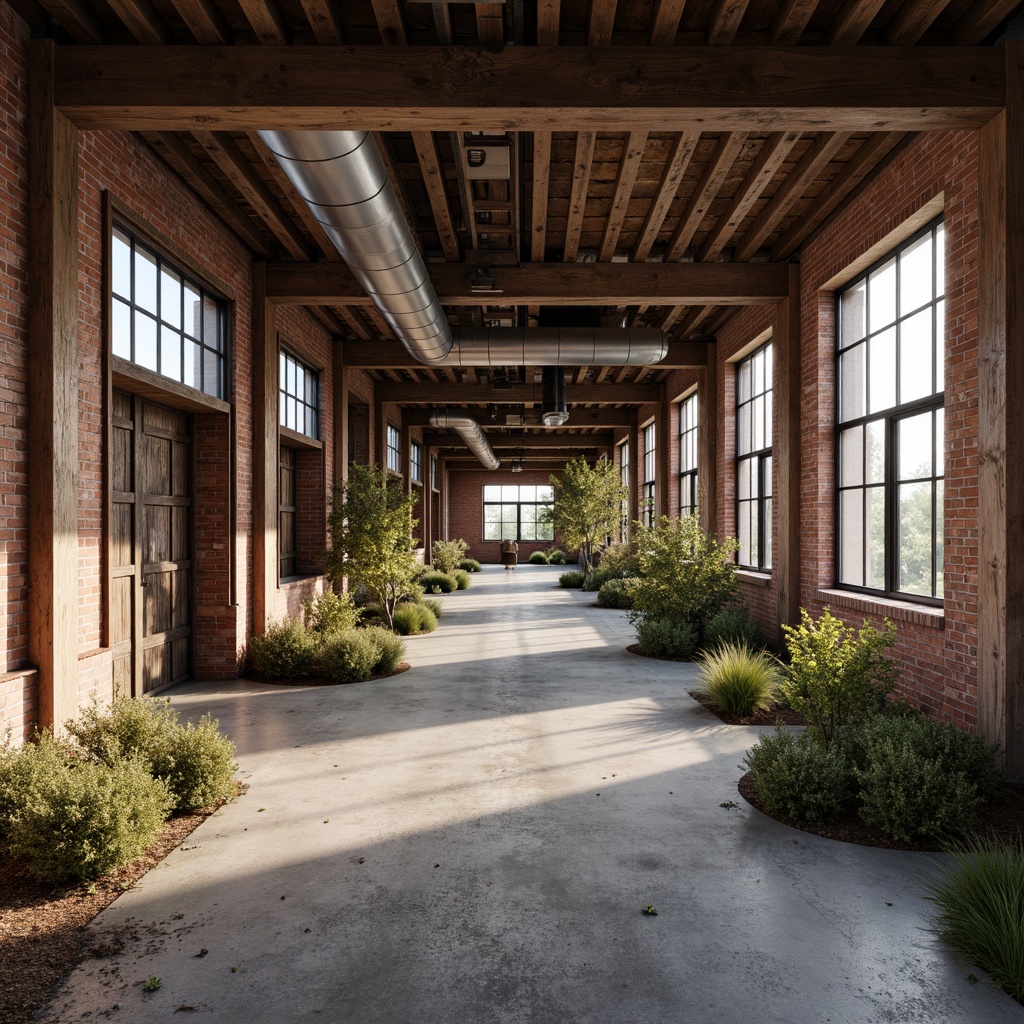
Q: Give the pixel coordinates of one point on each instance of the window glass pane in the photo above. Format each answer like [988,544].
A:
[527,493]
[192,370]
[743,440]
[939,465]
[882,296]
[767,475]
[940,547]
[145,280]
[121,265]
[492,513]
[853,314]
[883,371]
[170,297]
[915,523]
[170,353]
[940,346]
[121,330]
[743,480]
[875,537]
[492,531]
[875,433]
[916,373]
[527,514]
[545,493]
[744,529]
[766,540]
[851,538]
[509,492]
[193,311]
[940,259]
[851,383]
[851,457]
[766,384]
[508,531]
[211,318]
[768,419]
[757,422]
[492,492]
[916,275]
[145,340]
[545,531]
[914,438]
[743,382]
[508,513]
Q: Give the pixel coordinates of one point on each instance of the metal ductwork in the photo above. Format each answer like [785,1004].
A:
[469,430]
[554,409]
[342,178]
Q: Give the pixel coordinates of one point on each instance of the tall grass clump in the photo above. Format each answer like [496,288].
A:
[470,565]
[739,679]
[434,582]
[462,579]
[980,900]
[538,558]
[571,580]
[414,618]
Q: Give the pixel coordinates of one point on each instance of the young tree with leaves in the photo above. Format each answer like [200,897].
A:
[371,536]
[587,506]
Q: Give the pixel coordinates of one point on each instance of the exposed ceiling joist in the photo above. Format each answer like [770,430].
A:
[583,418]
[559,438]
[517,394]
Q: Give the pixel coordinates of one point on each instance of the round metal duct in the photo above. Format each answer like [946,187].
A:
[554,408]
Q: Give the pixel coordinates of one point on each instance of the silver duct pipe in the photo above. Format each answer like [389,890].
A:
[342,178]
[469,430]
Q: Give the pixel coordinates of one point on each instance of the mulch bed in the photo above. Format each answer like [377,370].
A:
[43,925]
[770,717]
[1002,818]
[255,677]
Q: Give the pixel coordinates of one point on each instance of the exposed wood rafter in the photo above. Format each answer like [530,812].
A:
[578,198]
[675,169]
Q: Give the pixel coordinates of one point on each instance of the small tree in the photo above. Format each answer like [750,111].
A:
[371,536]
[587,505]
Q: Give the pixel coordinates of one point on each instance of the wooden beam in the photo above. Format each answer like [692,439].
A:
[205,21]
[341,382]
[791,21]
[578,198]
[143,21]
[323,18]
[601,22]
[77,19]
[729,146]
[563,284]
[679,159]
[773,152]
[883,88]
[548,16]
[433,181]
[853,21]
[664,482]
[52,386]
[490,24]
[267,21]
[665,22]
[725,21]
[387,154]
[265,563]
[632,154]
[707,447]
[635,465]
[389,20]
[981,19]
[912,20]
[582,418]
[553,439]
[518,394]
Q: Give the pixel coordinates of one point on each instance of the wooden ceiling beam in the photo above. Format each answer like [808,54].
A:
[537,442]
[582,418]
[389,21]
[853,22]
[545,284]
[601,22]
[791,21]
[549,14]
[578,197]
[665,22]
[433,181]
[980,20]
[205,21]
[490,24]
[539,206]
[267,21]
[324,20]
[725,21]
[679,159]
[632,154]
[912,20]
[79,20]
[330,321]
[355,323]
[879,88]
[143,21]
[517,394]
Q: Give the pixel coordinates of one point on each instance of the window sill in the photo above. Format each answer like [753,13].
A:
[900,611]
[754,579]
[294,439]
[294,581]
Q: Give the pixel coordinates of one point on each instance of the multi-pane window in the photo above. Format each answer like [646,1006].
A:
[754,458]
[416,461]
[688,456]
[890,328]
[514,512]
[650,463]
[394,448]
[297,394]
[624,480]
[433,472]
[164,320]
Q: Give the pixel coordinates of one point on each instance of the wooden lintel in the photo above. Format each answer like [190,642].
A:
[810,88]
[563,284]
[518,394]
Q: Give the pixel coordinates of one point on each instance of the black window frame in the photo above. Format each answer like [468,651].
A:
[649,499]
[433,472]
[689,411]
[392,448]
[761,460]
[416,461]
[624,471]
[537,504]
[891,418]
[289,398]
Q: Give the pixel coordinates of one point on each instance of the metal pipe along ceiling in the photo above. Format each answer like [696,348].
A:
[469,430]
[342,178]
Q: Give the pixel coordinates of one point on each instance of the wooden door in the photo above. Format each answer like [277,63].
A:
[151,545]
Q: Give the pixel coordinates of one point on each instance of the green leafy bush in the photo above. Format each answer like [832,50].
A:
[433,604]
[470,565]
[739,679]
[616,594]
[799,778]
[538,558]
[371,614]
[619,561]
[571,580]
[980,896]
[414,618]
[667,638]
[285,651]
[597,578]
[197,761]
[390,650]
[351,655]
[21,766]
[462,579]
[434,582]
[919,778]
[127,727]
[447,554]
[328,612]
[82,818]
[556,556]
[836,674]
[732,626]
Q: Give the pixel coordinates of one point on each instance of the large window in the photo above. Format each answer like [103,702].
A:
[513,512]
[416,461]
[163,320]
[650,464]
[688,456]
[754,458]
[394,449]
[433,472]
[624,480]
[890,329]
[297,392]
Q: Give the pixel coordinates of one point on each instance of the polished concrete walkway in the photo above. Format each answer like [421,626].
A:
[474,841]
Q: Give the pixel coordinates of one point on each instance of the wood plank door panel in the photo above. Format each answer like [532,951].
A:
[123,578]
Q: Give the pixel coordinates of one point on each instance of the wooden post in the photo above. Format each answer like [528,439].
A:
[427,505]
[380,429]
[1001,423]
[663,480]
[52,394]
[634,468]
[707,444]
[341,438]
[264,451]
[786,453]
[405,431]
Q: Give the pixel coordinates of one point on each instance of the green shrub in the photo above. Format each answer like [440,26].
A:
[21,766]
[919,778]
[82,818]
[732,626]
[414,618]
[470,565]
[597,578]
[538,558]
[198,764]
[462,579]
[371,614]
[616,594]
[666,638]
[284,651]
[446,555]
[433,604]
[127,727]
[980,896]
[739,679]
[836,674]
[619,561]
[571,580]
[798,778]
[350,656]
[556,556]
[434,582]
[328,612]
[390,650]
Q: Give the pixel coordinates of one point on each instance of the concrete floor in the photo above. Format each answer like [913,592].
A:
[474,841]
